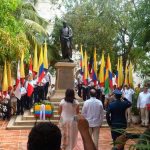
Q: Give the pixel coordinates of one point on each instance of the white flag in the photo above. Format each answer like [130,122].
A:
[18,85]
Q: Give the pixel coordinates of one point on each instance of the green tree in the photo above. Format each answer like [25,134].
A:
[12,37]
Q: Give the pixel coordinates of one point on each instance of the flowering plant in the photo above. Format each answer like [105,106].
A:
[47,110]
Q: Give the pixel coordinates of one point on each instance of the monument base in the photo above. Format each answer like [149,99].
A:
[65,77]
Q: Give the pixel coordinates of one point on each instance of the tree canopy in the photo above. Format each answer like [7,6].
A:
[118,27]
[12,37]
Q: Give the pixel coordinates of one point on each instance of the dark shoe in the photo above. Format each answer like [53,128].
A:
[70,60]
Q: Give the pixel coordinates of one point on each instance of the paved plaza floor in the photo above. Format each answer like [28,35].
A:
[17,139]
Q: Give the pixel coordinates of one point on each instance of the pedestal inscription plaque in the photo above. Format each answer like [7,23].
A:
[66,79]
[64,75]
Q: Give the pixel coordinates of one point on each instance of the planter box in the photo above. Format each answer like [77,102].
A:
[49,109]
[136,119]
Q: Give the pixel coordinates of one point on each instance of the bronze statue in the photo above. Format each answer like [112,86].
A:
[66,42]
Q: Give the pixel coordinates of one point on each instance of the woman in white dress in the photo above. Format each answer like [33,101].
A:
[68,109]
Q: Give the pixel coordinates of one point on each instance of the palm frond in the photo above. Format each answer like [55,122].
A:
[35,27]
[32,15]
[28,11]
[29,6]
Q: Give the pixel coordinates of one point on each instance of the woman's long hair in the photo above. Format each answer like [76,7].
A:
[69,96]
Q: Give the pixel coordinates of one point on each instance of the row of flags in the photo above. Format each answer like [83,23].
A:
[37,66]
[104,77]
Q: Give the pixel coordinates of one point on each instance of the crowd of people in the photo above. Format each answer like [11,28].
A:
[11,105]
[117,105]
[88,123]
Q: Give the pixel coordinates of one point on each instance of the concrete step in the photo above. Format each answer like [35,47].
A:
[27,121]
[31,117]
[11,125]
[20,122]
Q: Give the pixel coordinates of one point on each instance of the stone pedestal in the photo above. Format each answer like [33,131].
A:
[64,79]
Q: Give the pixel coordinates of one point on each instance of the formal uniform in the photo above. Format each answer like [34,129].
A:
[115,115]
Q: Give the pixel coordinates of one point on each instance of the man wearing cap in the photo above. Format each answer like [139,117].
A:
[115,115]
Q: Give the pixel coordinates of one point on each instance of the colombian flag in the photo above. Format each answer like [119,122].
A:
[41,67]
[94,69]
[81,60]
[45,61]
[126,75]
[85,75]
[5,79]
[102,69]
[35,60]
[131,74]
[106,87]
[121,78]
[117,73]
[110,73]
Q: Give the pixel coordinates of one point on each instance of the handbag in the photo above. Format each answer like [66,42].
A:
[148,106]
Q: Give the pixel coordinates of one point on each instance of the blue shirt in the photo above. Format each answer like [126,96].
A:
[116,113]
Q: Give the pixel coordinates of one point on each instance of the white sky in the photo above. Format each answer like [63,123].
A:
[48,10]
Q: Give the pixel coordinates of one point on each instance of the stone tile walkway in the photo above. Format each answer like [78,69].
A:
[17,139]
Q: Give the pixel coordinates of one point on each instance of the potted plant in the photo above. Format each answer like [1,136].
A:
[135,111]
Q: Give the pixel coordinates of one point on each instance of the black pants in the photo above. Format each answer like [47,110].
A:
[79,90]
[85,93]
[46,90]
[20,105]
[29,101]
[36,99]
[41,92]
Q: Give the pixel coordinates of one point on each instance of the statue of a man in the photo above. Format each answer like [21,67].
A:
[66,42]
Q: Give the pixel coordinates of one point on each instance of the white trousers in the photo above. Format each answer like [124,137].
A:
[94,132]
[144,116]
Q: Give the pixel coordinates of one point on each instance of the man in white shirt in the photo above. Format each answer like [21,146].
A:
[128,94]
[143,100]
[47,84]
[93,111]
[79,84]
[29,85]
[20,102]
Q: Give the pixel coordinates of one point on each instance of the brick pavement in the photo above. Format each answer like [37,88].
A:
[17,139]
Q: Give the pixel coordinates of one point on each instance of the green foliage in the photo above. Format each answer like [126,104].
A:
[54,43]
[35,26]
[107,24]
[12,37]
[92,27]
[134,109]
